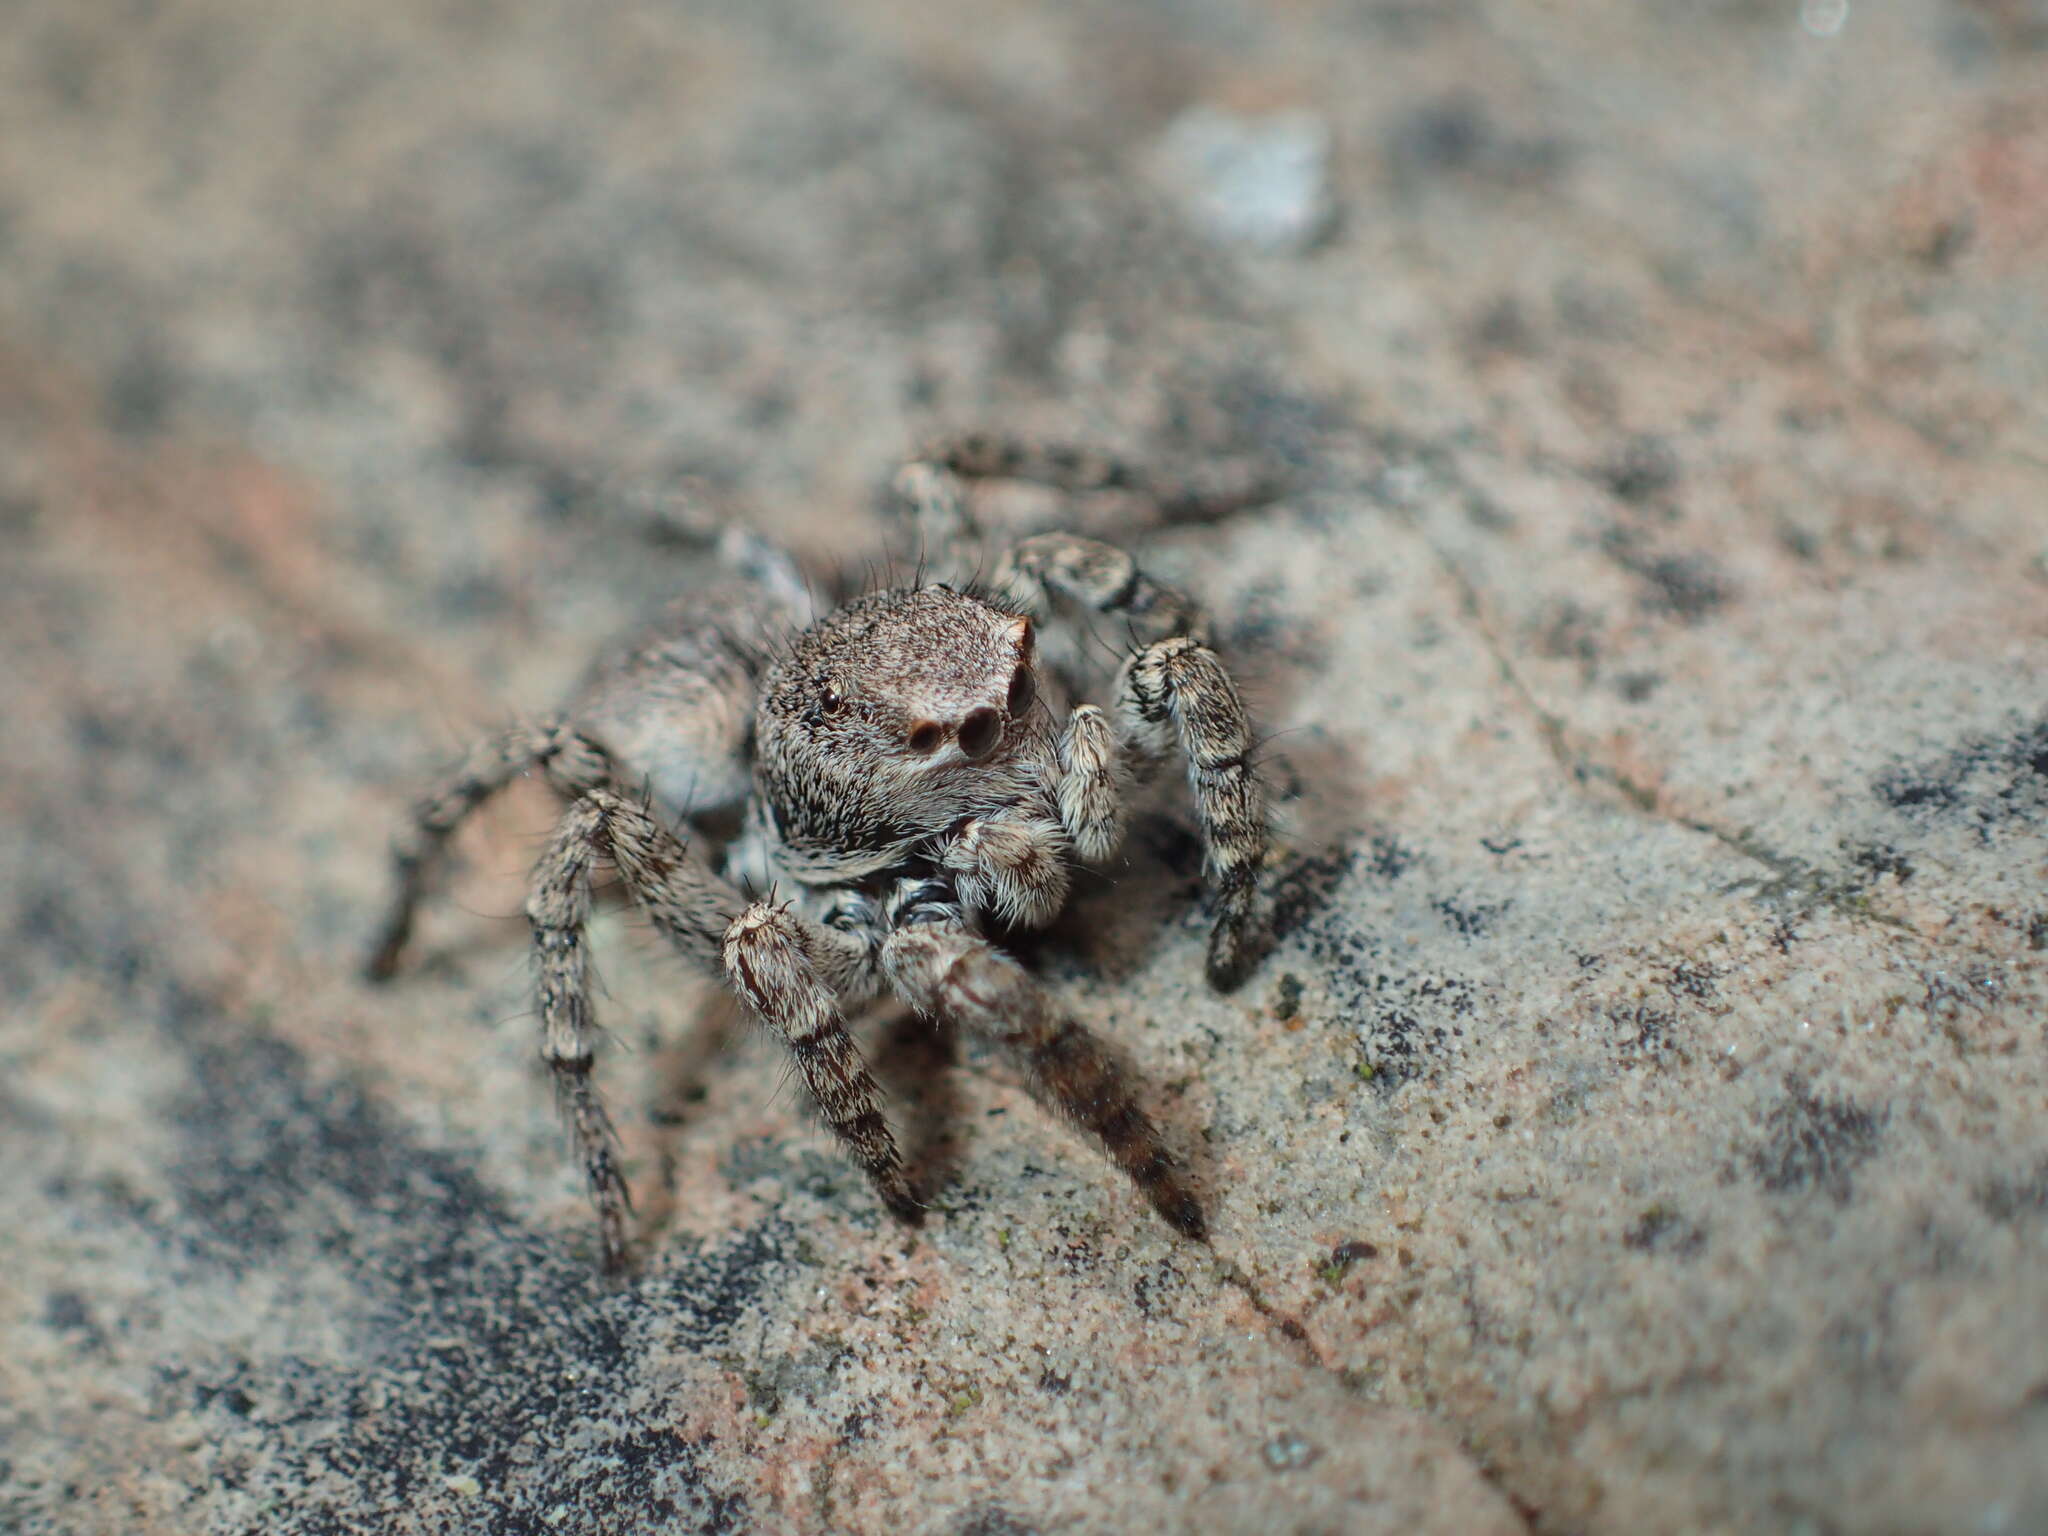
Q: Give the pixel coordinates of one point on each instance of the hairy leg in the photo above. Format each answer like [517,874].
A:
[769,958]
[572,763]
[1176,692]
[943,969]
[1097,577]
[1014,868]
[779,962]
[1091,789]
[1215,488]
[1173,695]
[559,908]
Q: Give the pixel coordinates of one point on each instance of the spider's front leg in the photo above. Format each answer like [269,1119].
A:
[1016,866]
[777,961]
[1173,693]
[943,969]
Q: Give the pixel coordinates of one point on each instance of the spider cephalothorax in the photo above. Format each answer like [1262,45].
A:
[907,774]
[896,717]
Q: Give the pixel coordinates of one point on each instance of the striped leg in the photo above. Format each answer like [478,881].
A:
[770,959]
[776,960]
[1173,695]
[559,907]
[943,970]
[572,763]
[1176,693]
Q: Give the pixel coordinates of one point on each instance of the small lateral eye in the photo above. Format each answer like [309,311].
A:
[829,700]
[925,737]
[1022,690]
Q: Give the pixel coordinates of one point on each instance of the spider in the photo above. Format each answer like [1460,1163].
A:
[904,778]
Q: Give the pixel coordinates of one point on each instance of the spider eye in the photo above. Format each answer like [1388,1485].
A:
[925,737]
[829,700]
[979,733]
[1022,690]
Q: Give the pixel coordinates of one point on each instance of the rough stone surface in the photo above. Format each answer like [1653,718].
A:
[1643,1125]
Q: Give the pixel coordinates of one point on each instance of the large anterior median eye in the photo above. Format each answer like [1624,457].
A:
[1022,690]
[979,733]
[925,737]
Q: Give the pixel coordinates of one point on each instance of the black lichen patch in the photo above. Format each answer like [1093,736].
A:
[1662,1229]
[1470,919]
[1688,587]
[1305,888]
[1645,468]
[1878,860]
[495,1385]
[1815,1143]
[1389,859]
[1401,1018]
[2008,1199]
[991,1520]
[1985,783]
[1643,1029]
[1689,978]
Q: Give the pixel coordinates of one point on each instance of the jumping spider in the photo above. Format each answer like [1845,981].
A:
[901,778]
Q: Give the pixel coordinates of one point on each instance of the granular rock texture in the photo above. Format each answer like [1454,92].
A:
[1642,1124]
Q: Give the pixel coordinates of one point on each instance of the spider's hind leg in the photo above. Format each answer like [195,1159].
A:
[572,763]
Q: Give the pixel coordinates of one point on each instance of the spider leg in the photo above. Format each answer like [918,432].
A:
[1173,694]
[1218,488]
[1091,787]
[943,969]
[573,764]
[558,906]
[769,958]
[775,959]
[1177,691]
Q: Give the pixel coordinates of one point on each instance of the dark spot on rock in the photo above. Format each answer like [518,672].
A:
[1287,997]
[231,1398]
[1503,328]
[1985,782]
[1448,134]
[1814,1143]
[486,1346]
[1305,887]
[991,1520]
[2008,1199]
[1689,978]
[1880,860]
[1687,587]
[1660,1229]
[139,395]
[1471,919]
[1645,468]
[1390,859]
[68,1312]
[1053,1382]
[1635,687]
[1642,1028]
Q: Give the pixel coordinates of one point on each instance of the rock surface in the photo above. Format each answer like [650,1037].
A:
[1643,1123]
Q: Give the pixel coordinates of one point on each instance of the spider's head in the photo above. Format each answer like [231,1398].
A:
[888,720]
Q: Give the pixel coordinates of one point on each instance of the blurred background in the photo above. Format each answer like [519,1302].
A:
[1640,1126]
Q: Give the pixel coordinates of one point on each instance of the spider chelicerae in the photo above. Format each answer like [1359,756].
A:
[821,812]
